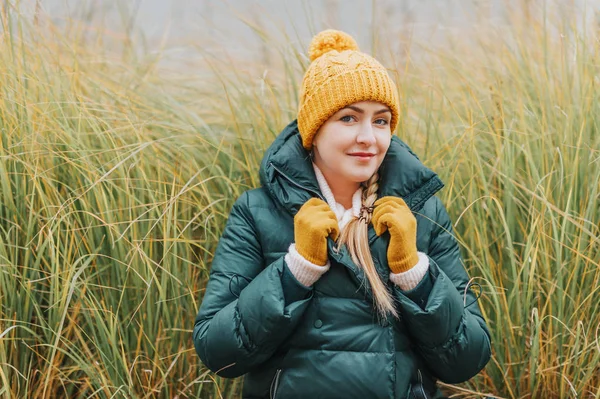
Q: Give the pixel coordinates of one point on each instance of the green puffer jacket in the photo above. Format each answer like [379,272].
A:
[325,341]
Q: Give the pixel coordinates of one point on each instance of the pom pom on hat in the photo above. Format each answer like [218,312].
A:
[328,40]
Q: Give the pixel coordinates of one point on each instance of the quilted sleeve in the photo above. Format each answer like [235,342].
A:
[244,315]
[451,337]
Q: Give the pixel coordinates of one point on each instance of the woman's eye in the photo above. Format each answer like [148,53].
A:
[385,122]
[343,118]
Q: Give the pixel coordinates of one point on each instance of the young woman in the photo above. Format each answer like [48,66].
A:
[340,276]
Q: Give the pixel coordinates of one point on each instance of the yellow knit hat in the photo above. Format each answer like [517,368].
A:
[340,75]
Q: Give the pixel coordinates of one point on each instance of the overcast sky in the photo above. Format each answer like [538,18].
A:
[181,22]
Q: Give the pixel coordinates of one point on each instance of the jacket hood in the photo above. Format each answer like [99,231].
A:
[286,172]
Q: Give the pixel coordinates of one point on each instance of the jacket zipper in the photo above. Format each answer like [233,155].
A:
[275,384]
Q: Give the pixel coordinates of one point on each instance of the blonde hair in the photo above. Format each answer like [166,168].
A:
[355,236]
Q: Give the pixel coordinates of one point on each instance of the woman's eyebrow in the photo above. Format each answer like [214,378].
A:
[360,111]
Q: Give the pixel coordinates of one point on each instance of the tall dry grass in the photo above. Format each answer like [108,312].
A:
[116,178]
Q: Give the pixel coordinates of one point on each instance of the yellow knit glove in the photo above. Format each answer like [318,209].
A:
[392,213]
[314,222]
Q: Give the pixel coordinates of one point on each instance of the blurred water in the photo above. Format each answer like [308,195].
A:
[217,25]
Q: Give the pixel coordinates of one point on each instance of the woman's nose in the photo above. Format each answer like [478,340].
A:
[366,134]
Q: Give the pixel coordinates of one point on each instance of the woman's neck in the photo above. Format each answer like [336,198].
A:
[341,190]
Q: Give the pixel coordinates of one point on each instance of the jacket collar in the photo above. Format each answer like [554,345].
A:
[286,172]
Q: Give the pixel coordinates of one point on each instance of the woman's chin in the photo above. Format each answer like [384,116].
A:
[361,176]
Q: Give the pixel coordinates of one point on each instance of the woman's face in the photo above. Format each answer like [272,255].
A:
[350,146]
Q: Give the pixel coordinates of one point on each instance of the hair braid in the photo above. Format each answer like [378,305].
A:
[355,236]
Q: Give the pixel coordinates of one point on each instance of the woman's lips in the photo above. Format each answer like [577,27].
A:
[362,156]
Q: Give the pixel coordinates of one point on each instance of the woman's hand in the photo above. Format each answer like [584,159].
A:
[392,213]
[314,222]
